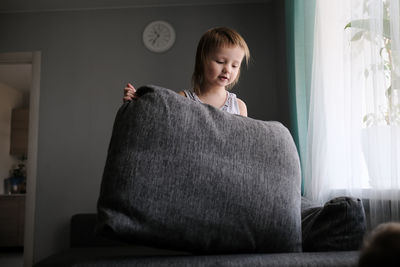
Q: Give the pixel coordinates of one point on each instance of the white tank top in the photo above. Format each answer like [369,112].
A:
[231,104]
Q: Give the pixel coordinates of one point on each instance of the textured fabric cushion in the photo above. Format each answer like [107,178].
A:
[184,175]
[126,257]
[339,225]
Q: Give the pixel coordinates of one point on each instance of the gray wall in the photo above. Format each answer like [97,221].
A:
[87,58]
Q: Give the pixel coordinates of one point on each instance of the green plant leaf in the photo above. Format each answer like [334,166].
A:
[387,67]
[388,92]
[357,36]
[364,24]
[369,119]
[381,51]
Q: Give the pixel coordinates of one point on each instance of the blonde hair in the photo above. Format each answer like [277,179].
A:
[210,41]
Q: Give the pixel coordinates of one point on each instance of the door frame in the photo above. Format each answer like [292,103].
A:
[33,135]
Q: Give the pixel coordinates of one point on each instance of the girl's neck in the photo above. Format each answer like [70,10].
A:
[215,96]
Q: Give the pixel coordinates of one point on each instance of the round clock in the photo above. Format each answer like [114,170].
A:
[158,36]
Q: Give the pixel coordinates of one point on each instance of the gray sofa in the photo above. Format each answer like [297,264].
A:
[186,184]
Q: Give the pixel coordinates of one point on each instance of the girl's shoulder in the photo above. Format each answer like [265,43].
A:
[236,105]
[186,92]
[190,94]
[242,107]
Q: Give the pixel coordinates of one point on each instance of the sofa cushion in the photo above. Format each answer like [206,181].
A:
[125,256]
[184,175]
[338,225]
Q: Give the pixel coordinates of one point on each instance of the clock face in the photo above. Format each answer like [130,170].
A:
[158,36]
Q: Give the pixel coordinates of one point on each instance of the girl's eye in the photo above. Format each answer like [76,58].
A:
[235,66]
[219,62]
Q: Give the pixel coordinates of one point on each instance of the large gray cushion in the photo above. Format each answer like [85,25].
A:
[187,176]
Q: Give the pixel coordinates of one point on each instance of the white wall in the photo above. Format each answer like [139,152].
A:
[87,58]
[10,98]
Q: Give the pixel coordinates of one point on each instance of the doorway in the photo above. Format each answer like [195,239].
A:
[20,81]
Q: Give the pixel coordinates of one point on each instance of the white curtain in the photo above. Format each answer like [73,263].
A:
[353,145]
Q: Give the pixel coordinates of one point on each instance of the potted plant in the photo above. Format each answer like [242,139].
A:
[16,183]
[381,130]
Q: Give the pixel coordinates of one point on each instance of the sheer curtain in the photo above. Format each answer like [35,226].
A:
[353,143]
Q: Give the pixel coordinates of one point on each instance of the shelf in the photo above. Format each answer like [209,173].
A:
[12,217]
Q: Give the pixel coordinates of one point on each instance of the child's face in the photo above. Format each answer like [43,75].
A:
[222,66]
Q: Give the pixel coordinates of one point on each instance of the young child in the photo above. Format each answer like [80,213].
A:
[219,55]
[382,246]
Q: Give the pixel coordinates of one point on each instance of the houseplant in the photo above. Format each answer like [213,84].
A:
[381,131]
[389,113]
[16,183]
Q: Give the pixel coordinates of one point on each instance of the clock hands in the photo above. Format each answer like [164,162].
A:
[155,37]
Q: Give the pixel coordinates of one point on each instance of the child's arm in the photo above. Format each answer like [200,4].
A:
[129,93]
[242,108]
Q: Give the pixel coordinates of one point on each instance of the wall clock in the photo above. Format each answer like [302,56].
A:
[158,36]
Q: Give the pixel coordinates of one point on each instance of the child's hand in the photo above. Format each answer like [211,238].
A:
[129,92]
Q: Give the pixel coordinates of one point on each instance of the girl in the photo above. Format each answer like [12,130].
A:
[219,55]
